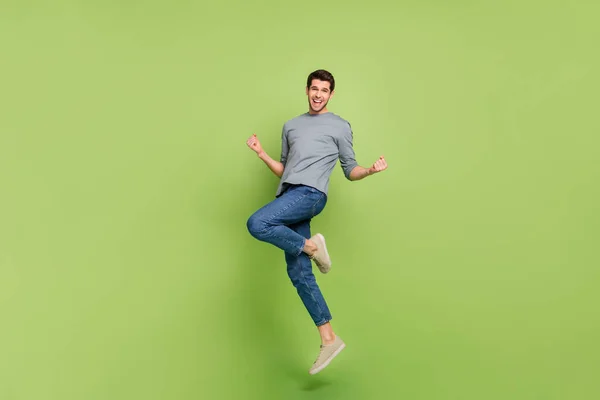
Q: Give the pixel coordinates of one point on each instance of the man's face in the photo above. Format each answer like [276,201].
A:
[318,95]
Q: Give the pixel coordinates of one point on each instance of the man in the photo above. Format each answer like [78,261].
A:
[311,144]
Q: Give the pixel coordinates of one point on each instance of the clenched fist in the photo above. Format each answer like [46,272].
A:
[378,165]
[254,144]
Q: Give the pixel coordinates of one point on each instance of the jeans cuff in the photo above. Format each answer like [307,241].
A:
[301,249]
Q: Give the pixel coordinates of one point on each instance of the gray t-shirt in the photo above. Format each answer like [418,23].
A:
[310,147]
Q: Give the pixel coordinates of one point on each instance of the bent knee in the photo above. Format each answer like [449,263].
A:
[255,225]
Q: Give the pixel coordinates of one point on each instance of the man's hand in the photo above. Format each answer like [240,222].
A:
[254,144]
[275,166]
[378,166]
[359,172]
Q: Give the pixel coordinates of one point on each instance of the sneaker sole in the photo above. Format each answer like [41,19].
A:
[326,269]
[326,363]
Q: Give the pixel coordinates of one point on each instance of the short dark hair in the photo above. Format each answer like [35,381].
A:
[321,75]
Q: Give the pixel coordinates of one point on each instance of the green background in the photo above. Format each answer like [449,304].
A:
[467,270]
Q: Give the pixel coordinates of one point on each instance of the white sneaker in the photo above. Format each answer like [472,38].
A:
[321,256]
[326,354]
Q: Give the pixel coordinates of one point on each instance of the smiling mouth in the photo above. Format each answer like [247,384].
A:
[317,101]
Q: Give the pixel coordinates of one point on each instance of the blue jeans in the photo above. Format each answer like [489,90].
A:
[285,223]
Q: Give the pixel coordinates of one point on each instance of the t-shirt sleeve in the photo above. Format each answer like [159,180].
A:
[284,146]
[347,156]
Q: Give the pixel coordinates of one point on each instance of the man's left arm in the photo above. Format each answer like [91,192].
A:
[352,170]
[359,172]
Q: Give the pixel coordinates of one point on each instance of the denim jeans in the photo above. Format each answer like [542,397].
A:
[285,223]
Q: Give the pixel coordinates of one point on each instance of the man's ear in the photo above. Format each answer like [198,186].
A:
[306,90]
[332,93]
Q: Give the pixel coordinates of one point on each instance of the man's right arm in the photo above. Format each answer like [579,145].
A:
[275,166]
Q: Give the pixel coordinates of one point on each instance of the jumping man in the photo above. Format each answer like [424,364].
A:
[311,144]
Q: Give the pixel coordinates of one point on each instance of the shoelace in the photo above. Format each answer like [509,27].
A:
[321,352]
